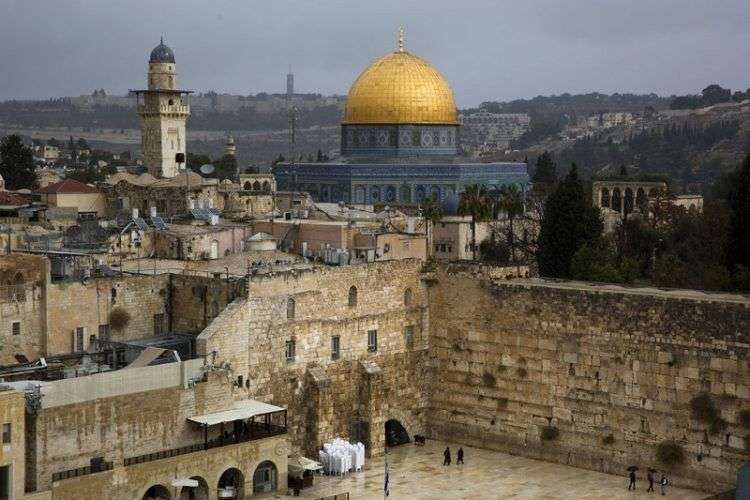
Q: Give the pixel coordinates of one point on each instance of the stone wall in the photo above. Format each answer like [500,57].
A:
[12,404]
[613,369]
[89,304]
[137,422]
[195,301]
[351,396]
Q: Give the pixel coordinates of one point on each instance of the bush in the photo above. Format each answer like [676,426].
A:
[744,419]
[488,379]
[550,433]
[119,318]
[608,439]
[521,372]
[670,453]
[703,409]
[717,426]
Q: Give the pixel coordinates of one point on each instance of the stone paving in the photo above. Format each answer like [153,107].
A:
[417,473]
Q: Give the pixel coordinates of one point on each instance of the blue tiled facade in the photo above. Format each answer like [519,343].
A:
[369,183]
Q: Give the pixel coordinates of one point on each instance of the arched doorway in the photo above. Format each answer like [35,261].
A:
[199,492]
[395,434]
[265,477]
[616,200]
[605,197]
[231,485]
[628,201]
[157,492]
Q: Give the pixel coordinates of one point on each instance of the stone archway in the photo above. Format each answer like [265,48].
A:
[199,492]
[231,485]
[395,434]
[265,477]
[157,492]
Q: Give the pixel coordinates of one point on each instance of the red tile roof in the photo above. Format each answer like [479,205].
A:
[12,199]
[68,186]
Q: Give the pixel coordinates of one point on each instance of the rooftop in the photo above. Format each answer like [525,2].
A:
[68,186]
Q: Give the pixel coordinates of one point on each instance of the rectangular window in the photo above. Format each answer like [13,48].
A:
[78,340]
[409,335]
[104,332]
[335,347]
[290,350]
[6,434]
[159,324]
[372,340]
[15,328]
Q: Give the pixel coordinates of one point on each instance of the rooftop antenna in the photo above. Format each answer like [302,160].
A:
[401,39]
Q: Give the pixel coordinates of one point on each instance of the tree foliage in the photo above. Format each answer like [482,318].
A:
[475,202]
[17,163]
[739,219]
[569,222]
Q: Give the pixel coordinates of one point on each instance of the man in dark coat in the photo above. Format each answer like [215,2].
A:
[447,456]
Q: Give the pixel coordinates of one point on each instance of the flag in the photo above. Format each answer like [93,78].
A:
[387,482]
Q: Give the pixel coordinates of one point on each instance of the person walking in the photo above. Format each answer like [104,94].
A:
[460,456]
[631,486]
[447,456]
[663,482]
[650,477]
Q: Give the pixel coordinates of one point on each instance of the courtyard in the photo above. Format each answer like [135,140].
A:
[417,473]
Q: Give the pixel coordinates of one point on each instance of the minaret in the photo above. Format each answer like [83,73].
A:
[229,147]
[163,111]
[290,83]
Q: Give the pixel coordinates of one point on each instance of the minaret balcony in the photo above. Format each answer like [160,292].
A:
[179,109]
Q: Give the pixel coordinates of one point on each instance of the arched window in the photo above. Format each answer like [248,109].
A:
[353,296]
[256,186]
[266,186]
[247,186]
[290,305]
[407,297]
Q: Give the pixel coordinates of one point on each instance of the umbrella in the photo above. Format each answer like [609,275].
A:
[632,468]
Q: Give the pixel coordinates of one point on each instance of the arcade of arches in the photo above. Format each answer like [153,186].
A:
[624,197]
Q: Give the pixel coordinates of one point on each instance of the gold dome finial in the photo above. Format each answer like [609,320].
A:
[401,39]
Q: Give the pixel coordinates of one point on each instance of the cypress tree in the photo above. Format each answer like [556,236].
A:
[739,204]
[17,163]
[570,221]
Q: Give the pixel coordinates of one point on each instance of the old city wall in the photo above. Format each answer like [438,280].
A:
[195,301]
[613,370]
[23,282]
[128,413]
[90,304]
[351,396]
[133,481]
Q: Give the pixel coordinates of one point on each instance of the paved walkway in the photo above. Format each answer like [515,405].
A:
[417,473]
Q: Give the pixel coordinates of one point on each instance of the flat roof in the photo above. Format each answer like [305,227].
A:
[242,410]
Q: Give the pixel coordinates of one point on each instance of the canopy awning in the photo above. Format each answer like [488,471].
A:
[304,463]
[242,410]
[185,482]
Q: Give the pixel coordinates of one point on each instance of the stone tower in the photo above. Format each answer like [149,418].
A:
[230,149]
[163,110]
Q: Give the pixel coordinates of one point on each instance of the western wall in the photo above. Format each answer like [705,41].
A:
[612,369]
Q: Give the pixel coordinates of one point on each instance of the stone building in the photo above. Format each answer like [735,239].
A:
[163,111]
[87,200]
[399,142]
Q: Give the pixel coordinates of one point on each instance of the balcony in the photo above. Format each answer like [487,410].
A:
[180,109]
[96,466]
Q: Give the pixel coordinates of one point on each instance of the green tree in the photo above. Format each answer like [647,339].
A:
[17,163]
[54,142]
[194,161]
[432,211]
[512,203]
[546,169]
[739,218]
[225,167]
[87,175]
[475,202]
[569,222]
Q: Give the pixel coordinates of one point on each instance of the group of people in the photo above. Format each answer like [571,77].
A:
[447,456]
[663,481]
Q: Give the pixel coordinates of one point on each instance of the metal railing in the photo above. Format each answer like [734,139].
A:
[257,431]
[82,471]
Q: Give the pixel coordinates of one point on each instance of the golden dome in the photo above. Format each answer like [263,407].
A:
[400,88]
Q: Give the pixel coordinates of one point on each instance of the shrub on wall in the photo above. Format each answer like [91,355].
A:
[744,419]
[550,433]
[608,439]
[703,408]
[521,372]
[119,318]
[488,379]
[670,453]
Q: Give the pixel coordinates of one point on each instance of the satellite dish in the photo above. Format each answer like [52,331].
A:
[207,169]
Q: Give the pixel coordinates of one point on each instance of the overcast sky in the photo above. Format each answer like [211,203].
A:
[488,50]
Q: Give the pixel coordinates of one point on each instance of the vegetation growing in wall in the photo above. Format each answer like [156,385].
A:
[488,379]
[550,433]
[744,419]
[670,453]
[704,410]
[119,318]
[608,439]
[521,372]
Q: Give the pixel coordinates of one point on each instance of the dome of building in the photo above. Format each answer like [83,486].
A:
[161,54]
[400,88]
